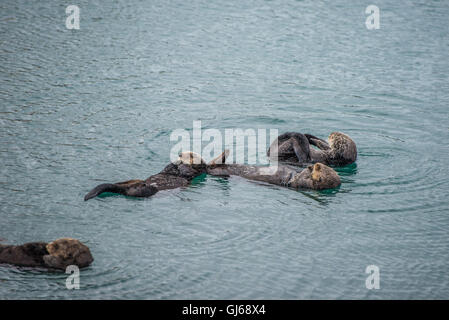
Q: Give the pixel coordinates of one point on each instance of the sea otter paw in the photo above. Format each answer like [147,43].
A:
[285,182]
[221,159]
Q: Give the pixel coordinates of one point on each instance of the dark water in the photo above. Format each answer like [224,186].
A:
[81,107]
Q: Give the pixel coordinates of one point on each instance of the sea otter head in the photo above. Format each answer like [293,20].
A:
[67,251]
[190,157]
[324,177]
[343,149]
[317,177]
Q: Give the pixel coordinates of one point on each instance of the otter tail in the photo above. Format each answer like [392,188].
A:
[105,187]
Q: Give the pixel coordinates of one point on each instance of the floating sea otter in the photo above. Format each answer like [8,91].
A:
[294,148]
[54,255]
[190,165]
[175,175]
[317,176]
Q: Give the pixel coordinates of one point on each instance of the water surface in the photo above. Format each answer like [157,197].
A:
[82,107]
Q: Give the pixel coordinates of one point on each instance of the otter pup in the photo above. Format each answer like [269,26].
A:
[54,255]
[294,148]
[316,177]
[179,174]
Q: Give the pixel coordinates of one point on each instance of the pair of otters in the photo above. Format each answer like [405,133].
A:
[292,149]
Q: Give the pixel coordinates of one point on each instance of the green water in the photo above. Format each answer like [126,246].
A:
[98,104]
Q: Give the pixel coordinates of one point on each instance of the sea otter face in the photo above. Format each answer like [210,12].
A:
[323,177]
[343,148]
[317,177]
[67,251]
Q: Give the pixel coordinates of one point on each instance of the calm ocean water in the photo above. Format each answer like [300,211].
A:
[98,104]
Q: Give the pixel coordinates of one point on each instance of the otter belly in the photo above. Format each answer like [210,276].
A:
[167,181]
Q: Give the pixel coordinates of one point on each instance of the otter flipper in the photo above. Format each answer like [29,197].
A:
[290,144]
[221,159]
[274,147]
[301,147]
[133,188]
[105,187]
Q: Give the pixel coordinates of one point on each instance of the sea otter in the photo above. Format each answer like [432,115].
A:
[54,255]
[178,174]
[316,177]
[294,148]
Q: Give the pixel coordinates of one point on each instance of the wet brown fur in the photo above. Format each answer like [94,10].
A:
[317,177]
[178,174]
[294,148]
[54,255]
